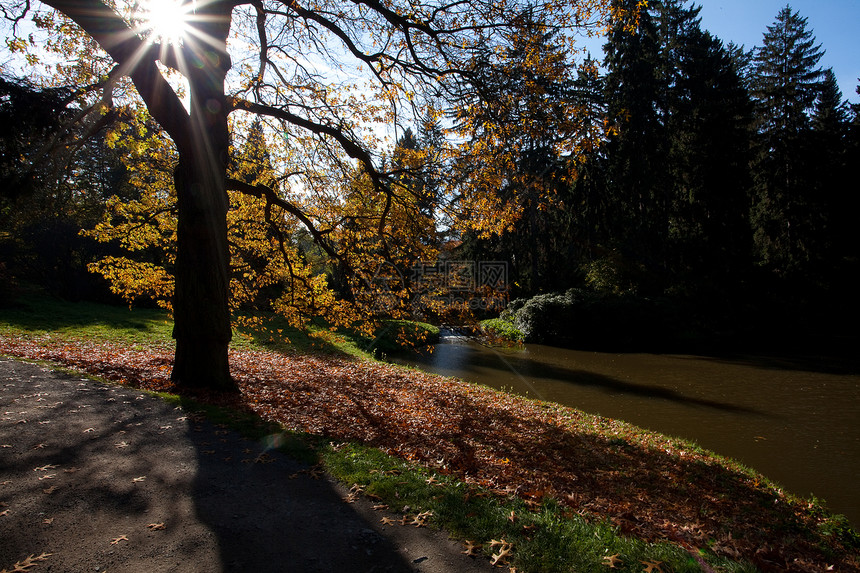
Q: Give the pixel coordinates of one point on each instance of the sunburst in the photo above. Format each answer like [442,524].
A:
[166,21]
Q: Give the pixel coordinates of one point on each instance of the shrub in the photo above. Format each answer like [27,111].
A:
[502,329]
[584,319]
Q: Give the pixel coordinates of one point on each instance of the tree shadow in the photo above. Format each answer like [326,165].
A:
[269,513]
[140,484]
[484,359]
[840,365]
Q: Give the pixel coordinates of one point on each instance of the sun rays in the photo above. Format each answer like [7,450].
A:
[166,21]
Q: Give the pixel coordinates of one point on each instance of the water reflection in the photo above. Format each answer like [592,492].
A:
[797,421]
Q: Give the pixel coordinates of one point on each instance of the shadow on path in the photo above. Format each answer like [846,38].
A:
[104,477]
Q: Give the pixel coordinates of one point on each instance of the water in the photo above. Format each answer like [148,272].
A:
[796,420]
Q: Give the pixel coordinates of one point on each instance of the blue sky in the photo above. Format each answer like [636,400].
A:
[835,23]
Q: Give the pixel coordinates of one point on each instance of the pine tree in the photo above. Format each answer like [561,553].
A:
[637,150]
[786,85]
[677,166]
[709,119]
[830,152]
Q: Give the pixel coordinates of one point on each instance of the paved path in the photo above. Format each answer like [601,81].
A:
[106,478]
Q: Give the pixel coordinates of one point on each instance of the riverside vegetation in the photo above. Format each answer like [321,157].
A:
[530,485]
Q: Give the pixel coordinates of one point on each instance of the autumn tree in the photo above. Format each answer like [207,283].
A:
[293,64]
[543,121]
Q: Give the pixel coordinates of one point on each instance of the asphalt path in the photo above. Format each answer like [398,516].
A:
[103,478]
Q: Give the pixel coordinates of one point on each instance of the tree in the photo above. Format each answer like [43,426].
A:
[676,164]
[54,179]
[543,118]
[709,119]
[406,48]
[830,169]
[636,149]
[787,81]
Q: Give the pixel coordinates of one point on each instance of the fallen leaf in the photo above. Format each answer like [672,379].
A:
[116,540]
[48,520]
[122,444]
[651,566]
[612,561]
[502,555]
[28,563]
[471,548]
[156,526]
[387,521]
[51,489]
[4,512]
[138,479]
[44,468]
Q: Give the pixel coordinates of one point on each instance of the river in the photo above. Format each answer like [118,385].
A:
[794,419]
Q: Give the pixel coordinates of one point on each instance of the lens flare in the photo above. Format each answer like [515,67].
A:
[167,20]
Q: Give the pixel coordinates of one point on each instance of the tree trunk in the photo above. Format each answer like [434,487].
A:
[201,298]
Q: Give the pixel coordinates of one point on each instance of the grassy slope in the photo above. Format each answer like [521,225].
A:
[544,538]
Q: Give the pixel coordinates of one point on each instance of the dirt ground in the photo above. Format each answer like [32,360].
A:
[103,478]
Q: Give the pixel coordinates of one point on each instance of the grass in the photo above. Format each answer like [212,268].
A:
[547,539]
[37,315]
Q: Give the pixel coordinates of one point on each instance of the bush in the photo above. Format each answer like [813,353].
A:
[585,319]
[502,329]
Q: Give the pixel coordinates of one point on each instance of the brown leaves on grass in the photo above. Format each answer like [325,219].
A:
[648,485]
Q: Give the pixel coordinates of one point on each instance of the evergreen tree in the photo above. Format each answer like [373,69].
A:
[709,119]
[830,153]
[677,165]
[636,151]
[786,217]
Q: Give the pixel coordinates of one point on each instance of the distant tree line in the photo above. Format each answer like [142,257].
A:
[724,179]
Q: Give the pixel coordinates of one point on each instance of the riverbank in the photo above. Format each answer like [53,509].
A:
[644,485]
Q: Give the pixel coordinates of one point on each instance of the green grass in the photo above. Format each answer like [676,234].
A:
[40,315]
[37,315]
[548,539]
